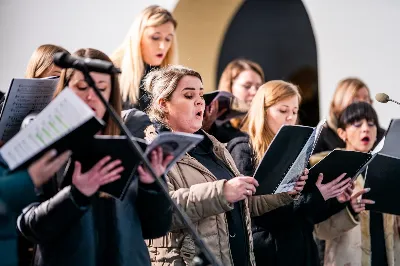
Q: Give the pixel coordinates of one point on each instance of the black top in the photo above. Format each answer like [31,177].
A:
[378,247]
[238,239]
[144,100]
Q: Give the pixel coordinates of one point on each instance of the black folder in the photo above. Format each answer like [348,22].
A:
[391,144]
[287,147]
[383,174]
[336,163]
[383,177]
[118,148]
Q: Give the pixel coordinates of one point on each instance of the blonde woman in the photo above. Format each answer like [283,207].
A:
[205,182]
[355,236]
[41,65]
[348,90]
[242,78]
[150,43]
[283,236]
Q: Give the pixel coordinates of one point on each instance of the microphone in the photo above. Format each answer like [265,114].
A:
[65,60]
[384,98]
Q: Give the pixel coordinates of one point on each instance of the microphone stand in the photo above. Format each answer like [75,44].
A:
[204,257]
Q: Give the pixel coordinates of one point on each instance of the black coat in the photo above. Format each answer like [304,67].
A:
[284,236]
[329,140]
[72,229]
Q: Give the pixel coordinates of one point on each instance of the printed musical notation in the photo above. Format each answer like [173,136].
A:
[62,115]
[24,96]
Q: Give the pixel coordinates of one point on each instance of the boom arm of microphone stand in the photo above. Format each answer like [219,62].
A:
[205,257]
[396,102]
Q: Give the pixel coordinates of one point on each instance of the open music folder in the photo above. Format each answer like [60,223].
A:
[286,158]
[24,96]
[234,107]
[337,162]
[172,143]
[383,174]
[66,123]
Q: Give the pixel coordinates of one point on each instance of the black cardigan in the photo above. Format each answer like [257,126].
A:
[284,236]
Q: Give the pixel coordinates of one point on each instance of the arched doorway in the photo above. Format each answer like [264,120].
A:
[278,35]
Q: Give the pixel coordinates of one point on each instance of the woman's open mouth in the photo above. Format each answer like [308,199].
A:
[199,114]
[365,140]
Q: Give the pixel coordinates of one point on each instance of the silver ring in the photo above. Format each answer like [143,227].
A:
[248,192]
[358,201]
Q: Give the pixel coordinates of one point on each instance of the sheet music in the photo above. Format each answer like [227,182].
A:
[65,113]
[24,96]
[299,165]
[301,161]
[318,130]
[176,143]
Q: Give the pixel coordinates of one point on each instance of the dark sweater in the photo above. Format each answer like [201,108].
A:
[205,155]
[284,236]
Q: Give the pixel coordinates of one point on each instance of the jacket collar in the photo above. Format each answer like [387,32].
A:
[218,148]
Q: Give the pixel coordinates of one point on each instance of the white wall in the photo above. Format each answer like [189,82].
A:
[73,24]
[359,38]
[354,37]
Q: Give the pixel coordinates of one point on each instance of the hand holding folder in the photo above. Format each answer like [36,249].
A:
[226,101]
[159,162]
[118,148]
[335,164]
[286,158]
[103,172]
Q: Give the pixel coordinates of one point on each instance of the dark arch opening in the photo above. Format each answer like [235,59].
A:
[278,35]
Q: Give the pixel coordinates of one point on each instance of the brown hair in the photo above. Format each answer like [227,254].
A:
[41,60]
[232,71]
[255,122]
[343,97]
[128,56]
[162,83]
[115,97]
